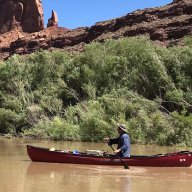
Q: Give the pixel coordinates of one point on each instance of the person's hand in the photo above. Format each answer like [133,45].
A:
[106,139]
[117,151]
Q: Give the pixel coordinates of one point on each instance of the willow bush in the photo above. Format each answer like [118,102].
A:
[82,97]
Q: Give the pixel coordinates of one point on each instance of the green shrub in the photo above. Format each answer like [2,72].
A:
[82,97]
[8,121]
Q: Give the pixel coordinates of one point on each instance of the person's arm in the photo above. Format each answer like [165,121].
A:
[113,141]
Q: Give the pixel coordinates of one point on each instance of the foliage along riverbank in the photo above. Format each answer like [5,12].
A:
[82,97]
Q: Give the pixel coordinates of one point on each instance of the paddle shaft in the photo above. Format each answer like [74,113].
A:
[124,164]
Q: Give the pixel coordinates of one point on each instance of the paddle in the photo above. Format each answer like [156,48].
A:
[124,164]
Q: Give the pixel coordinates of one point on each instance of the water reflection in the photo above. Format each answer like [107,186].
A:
[71,177]
[104,178]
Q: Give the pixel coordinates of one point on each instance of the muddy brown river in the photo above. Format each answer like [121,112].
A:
[19,174]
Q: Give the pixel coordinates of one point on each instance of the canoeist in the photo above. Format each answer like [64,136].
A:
[123,141]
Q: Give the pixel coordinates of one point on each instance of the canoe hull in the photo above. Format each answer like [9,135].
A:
[180,159]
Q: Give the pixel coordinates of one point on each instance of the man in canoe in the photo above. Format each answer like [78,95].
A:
[123,142]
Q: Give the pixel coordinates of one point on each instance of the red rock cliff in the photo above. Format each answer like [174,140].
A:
[164,25]
[24,14]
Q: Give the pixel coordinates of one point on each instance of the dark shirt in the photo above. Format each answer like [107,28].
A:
[123,143]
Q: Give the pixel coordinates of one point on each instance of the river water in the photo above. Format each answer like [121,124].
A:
[19,174]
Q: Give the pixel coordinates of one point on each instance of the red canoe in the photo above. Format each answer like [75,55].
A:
[178,159]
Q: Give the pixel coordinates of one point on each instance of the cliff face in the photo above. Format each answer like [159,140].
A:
[26,15]
[165,25]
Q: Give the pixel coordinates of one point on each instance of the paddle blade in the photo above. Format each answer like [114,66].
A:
[126,167]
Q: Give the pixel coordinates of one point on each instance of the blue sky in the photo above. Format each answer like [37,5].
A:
[81,13]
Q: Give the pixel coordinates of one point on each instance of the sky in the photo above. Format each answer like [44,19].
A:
[85,13]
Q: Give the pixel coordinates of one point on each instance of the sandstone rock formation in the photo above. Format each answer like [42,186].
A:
[165,25]
[27,15]
[53,21]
